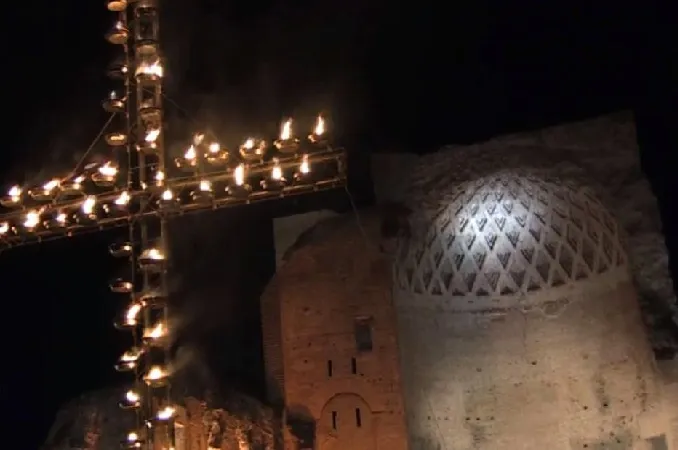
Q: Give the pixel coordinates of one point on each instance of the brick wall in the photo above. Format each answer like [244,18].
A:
[581,376]
[339,276]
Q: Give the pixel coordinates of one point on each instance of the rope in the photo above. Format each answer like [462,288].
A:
[90,148]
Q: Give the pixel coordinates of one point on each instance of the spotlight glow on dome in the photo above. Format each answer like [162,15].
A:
[509,234]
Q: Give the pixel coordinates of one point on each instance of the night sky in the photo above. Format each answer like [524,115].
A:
[393,77]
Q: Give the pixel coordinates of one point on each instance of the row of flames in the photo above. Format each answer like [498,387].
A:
[106,174]
[156,375]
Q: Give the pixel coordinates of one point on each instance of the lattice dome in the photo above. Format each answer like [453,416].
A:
[509,234]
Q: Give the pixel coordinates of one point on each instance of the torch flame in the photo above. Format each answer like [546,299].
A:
[32,219]
[132,397]
[214,147]
[156,332]
[276,172]
[305,166]
[319,129]
[239,175]
[166,413]
[123,199]
[153,69]
[14,192]
[133,313]
[156,373]
[205,186]
[51,185]
[286,130]
[88,205]
[190,153]
[152,135]
[77,182]
[154,254]
[108,170]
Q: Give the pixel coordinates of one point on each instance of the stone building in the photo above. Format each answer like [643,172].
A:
[330,340]
[504,316]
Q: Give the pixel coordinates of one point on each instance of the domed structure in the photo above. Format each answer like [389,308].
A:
[518,326]
[509,235]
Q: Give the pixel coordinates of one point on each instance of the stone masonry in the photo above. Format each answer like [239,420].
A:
[335,360]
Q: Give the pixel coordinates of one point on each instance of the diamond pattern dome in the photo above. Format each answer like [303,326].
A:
[509,234]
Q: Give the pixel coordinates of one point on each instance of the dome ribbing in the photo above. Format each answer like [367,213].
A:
[509,234]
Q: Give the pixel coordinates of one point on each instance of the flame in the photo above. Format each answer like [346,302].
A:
[205,186]
[14,192]
[77,182]
[214,147]
[123,199]
[154,254]
[167,195]
[51,185]
[198,138]
[159,177]
[190,153]
[88,204]
[152,135]
[276,172]
[156,332]
[131,356]
[305,166]
[108,170]
[248,144]
[119,25]
[319,129]
[132,397]
[113,95]
[132,313]
[132,437]
[239,175]
[166,413]
[286,130]
[156,373]
[153,69]
[4,228]
[61,218]
[32,219]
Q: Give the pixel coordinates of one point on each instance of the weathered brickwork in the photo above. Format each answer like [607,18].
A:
[336,278]
[512,379]
[526,333]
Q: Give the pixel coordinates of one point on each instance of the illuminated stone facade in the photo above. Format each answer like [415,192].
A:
[517,321]
[330,340]
[519,327]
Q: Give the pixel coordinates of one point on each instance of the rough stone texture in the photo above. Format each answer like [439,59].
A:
[94,422]
[559,376]
[335,275]
[574,354]
[507,234]
[600,153]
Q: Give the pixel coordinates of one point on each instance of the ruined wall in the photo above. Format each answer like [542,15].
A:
[578,376]
[95,422]
[334,277]
[601,153]
[519,327]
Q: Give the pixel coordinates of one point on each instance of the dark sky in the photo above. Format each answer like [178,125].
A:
[393,76]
